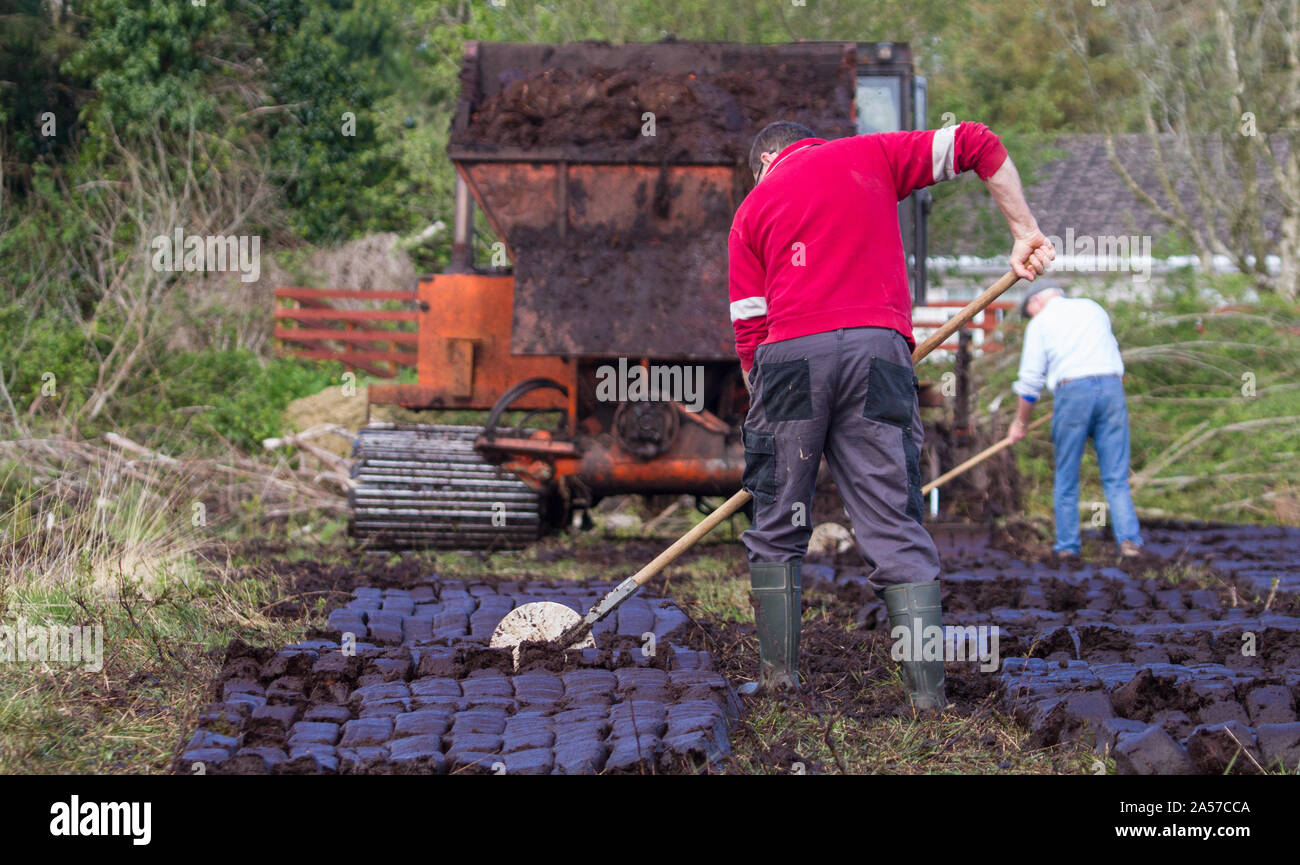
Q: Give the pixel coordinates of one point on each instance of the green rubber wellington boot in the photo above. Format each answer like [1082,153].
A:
[917,606]
[775,591]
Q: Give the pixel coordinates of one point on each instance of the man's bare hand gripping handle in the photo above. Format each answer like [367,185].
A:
[1031,252]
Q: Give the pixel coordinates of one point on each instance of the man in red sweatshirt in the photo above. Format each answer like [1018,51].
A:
[823,318]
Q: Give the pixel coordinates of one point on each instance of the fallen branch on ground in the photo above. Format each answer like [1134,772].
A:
[1197,436]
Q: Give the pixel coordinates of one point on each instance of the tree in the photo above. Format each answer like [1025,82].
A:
[38,101]
[1218,94]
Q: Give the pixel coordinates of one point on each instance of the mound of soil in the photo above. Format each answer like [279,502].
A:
[564,305]
[990,490]
[329,406]
[699,118]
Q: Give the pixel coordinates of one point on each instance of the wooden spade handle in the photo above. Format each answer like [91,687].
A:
[980,457]
[969,311]
[686,541]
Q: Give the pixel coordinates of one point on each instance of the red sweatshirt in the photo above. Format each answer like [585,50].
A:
[816,245]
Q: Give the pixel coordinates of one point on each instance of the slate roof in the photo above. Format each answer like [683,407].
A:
[1080,189]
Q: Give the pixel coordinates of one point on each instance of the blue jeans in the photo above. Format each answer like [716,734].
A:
[1092,408]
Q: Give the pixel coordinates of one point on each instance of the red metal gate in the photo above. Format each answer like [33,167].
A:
[368,339]
[987,321]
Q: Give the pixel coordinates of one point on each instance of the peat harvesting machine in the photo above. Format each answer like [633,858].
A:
[604,358]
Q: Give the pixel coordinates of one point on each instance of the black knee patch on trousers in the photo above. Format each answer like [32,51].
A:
[787,389]
[760,464]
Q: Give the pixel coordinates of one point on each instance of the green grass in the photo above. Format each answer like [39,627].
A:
[119,554]
[160,654]
[981,743]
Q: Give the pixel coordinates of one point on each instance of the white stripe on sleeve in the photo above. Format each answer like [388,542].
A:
[943,156]
[748,307]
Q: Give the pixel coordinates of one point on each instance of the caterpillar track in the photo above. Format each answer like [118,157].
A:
[426,486]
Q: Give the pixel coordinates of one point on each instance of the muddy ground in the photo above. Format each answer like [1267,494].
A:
[401,681]
[1185,660]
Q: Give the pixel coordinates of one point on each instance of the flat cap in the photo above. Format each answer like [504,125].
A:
[1037,287]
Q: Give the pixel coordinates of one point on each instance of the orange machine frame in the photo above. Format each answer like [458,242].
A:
[464,362]
[463,351]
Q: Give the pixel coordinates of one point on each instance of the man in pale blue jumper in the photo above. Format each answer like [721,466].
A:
[1070,349]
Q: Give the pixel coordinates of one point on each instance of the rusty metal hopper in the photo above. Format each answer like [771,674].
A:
[612,173]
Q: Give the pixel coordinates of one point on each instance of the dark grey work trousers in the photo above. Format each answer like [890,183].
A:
[850,394]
